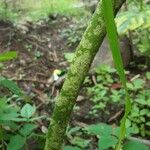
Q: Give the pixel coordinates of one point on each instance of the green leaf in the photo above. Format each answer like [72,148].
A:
[132,20]
[27,129]
[27,111]
[100,129]
[106,142]
[129,131]
[80,142]
[8,116]
[128,123]
[138,83]
[9,113]
[8,56]
[141,101]
[104,68]
[148,75]
[69,56]
[71,148]
[130,86]
[3,103]
[144,111]
[12,86]
[16,142]
[134,145]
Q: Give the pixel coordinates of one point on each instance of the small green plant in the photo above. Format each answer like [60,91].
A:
[103,95]
[6,12]
[8,56]
[136,19]
[10,115]
[73,34]
[38,54]
[140,107]
[74,136]
[17,122]
[131,145]
[106,135]
[29,47]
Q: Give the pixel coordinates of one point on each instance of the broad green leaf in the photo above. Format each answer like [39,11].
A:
[80,142]
[144,111]
[27,129]
[12,86]
[3,104]
[134,145]
[132,20]
[9,113]
[130,86]
[106,142]
[8,56]
[130,131]
[11,124]
[9,116]
[27,111]
[128,123]
[16,142]
[138,83]
[100,129]
[141,101]
[71,148]
[19,119]
[105,68]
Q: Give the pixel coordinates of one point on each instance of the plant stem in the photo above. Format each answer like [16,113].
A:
[84,55]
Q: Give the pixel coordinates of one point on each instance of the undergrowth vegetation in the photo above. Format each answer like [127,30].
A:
[110,93]
[135,18]
[31,10]
[17,117]
[23,118]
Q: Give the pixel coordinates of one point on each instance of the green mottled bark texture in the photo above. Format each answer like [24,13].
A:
[84,55]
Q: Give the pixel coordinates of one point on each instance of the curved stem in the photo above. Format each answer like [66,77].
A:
[84,55]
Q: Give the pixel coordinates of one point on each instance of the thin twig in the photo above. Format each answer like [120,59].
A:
[116,115]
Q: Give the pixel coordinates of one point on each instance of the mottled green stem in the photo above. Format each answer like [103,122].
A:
[84,55]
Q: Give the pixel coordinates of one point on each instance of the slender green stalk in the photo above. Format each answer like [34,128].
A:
[84,55]
[114,45]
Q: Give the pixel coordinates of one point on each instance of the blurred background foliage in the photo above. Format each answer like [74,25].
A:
[33,10]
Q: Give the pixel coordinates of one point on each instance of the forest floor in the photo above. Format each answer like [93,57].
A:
[41,49]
